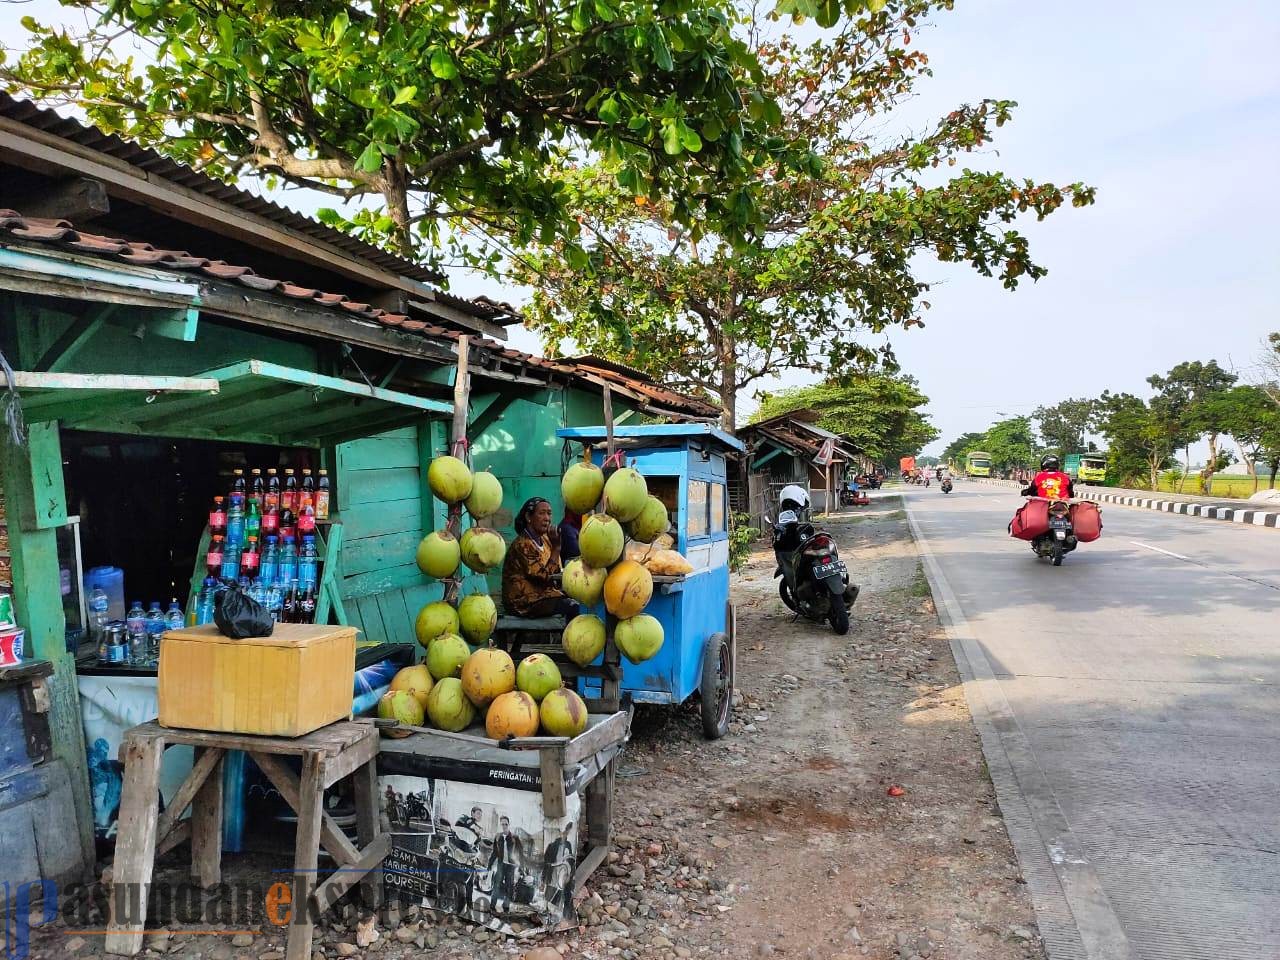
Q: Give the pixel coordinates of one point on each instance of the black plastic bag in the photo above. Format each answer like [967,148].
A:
[239,616]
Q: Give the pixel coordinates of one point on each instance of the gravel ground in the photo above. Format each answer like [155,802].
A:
[848,814]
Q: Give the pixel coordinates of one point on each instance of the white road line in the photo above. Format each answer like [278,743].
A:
[1167,553]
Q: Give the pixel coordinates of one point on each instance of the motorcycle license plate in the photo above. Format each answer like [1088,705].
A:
[1060,534]
[823,570]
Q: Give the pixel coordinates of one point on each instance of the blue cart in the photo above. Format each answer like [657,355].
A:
[685,466]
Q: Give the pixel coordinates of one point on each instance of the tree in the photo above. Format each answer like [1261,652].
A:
[1011,443]
[434,116]
[1065,425]
[877,413]
[1141,437]
[1270,364]
[840,242]
[960,446]
[1250,417]
[1188,391]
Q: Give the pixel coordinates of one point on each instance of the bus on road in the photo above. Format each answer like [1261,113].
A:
[977,464]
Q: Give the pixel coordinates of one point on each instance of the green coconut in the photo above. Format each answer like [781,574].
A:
[486,495]
[600,540]
[583,638]
[450,479]
[582,583]
[563,713]
[435,620]
[448,707]
[478,616]
[439,554]
[402,706]
[638,637]
[446,655]
[538,675]
[625,494]
[652,522]
[482,549]
[581,486]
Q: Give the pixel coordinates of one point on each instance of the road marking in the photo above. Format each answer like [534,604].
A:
[1167,553]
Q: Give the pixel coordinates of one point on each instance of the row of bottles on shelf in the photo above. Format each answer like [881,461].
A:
[134,641]
[257,507]
[290,601]
[276,563]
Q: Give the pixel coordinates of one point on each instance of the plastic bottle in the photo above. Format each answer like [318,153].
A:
[99,603]
[289,496]
[249,559]
[230,562]
[269,564]
[271,498]
[289,605]
[275,598]
[271,521]
[156,625]
[135,621]
[288,562]
[237,483]
[307,496]
[253,520]
[308,563]
[307,520]
[322,496]
[205,601]
[307,606]
[288,524]
[218,516]
[257,489]
[258,590]
[235,519]
[173,620]
[213,559]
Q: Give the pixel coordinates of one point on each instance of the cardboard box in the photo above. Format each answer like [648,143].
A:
[297,680]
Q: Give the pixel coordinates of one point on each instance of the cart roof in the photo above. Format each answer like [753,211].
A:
[657,432]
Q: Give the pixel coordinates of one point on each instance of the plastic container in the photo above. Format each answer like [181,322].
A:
[1031,520]
[111,580]
[1086,521]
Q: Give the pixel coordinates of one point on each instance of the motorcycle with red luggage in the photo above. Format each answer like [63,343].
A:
[1055,526]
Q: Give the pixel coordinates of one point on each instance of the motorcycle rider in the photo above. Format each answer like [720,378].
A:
[1050,483]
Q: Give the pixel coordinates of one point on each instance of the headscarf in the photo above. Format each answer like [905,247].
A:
[526,514]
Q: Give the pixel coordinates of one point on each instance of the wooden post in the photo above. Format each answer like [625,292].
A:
[206,827]
[136,846]
[457,445]
[608,421]
[365,783]
[306,855]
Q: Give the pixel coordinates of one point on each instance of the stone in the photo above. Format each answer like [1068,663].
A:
[765,949]
[721,843]
[1021,933]
[853,936]
[242,940]
[347,949]
[406,934]
[480,935]
[660,942]
[222,951]
[278,955]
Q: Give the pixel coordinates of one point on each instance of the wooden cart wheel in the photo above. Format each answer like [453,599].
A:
[717,685]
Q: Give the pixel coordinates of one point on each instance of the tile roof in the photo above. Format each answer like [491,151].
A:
[63,235]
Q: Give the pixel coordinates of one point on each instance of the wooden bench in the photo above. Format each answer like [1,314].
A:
[327,755]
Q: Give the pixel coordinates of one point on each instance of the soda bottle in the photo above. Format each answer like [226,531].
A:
[235,519]
[257,489]
[307,497]
[218,516]
[205,602]
[237,483]
[307,520]
[99,602]
[253,520]
[230,562]
[249,559]
[269,563]
[289,605]
[289,496]
[308,563]
[307,606]
[213,559]
[322,496]
[288,524]
[275,599]
[272,495]
[288,562]
[271,521]
[104,647]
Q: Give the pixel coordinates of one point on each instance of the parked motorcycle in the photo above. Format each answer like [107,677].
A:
[946,485]
[815,582]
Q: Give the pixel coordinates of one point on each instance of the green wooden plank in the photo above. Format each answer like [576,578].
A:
[395,617]
[419,595]
[381,453]
[376,581]
[50,507]
[307,378]
[401,433]
[373,553]
[378,486]
[371,619]
[379,519]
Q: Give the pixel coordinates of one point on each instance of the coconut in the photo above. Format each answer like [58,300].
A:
[600,540]
[563,713]
[478,616]
[416,679]
[450,479]
[537,675]
[625,494]
[583,639]
[652,521]
[446,655]
[486,495]
[639,637]
[438,554]
[482,549]
[435,620]
[627,589]
[487,674]
[448,707]
[582,583]
[513,714]
[403,706]
[581,486]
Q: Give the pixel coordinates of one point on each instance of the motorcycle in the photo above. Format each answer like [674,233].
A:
[815,582]
[1060,540]
[946,485]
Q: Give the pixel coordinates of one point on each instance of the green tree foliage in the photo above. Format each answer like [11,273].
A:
[961,445]
[1187,393]
[1012,444]
[1141,436]
[1250,417]
[1064,426]
[839,243]
[878,413]
[436,117]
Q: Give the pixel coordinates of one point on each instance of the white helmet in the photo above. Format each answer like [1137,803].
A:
[796,494]
[787,517]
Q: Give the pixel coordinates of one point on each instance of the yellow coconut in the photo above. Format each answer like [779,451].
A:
[581,487]
[563,713]
[488,674]
[449,479]
[403,706]
[439,554]
[583,639]
[583,583]
[628,589]
[513,714]
[416,679]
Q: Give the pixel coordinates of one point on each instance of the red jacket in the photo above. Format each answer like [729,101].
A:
[1052,485]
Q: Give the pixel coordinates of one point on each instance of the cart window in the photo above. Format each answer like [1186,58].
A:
[718,493]
[698,508]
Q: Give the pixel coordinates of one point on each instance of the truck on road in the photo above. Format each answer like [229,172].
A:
[1085,467]
[977,464]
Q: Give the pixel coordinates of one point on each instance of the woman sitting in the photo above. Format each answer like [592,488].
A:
[533,559]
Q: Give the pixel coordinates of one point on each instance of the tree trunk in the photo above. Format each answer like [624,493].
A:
[728,384]
[396,192]
[1275,468]
[1186,468]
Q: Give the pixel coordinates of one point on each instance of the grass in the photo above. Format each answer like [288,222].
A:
[1231,487]
[920,583]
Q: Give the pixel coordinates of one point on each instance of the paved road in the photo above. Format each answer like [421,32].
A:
[1134,696]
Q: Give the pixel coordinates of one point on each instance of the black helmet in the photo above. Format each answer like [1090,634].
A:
[1050,463]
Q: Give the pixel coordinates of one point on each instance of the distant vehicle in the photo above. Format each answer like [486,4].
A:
[1085,467]
[978,464]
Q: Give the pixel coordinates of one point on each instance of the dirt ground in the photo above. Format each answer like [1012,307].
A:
[848,814]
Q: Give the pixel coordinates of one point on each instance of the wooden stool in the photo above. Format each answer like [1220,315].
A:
[328,754]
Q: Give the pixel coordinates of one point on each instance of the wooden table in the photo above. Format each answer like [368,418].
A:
[327,755]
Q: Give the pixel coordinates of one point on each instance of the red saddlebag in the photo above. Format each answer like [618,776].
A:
[1086,521]
[1031,520]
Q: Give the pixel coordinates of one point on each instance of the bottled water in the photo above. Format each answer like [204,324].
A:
[99,602]
[136,628]
[155,626]
[269,563]
[308,564]
[173,618]
[204,603]
[288,562]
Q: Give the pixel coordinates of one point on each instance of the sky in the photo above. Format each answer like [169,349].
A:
[1171,109]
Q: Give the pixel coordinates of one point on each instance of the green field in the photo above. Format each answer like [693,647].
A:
[1231,487]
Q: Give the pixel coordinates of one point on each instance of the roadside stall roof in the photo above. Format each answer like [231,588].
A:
[656,432]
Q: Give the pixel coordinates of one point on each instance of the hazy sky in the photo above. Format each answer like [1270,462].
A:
[1172,110]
